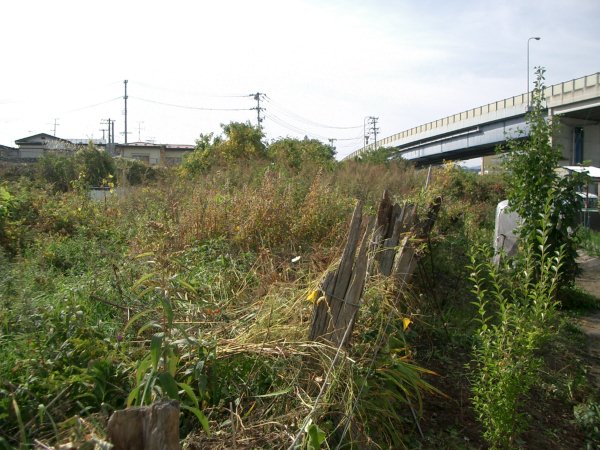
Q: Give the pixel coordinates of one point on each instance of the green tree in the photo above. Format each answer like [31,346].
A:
[296,153]
[532,178]
[203,156]
[381,155]
[241,141]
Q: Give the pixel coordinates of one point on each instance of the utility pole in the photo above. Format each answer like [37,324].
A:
[125,98]
[258,108]
[374,129]
[55,125]
[140,131]
[111,134]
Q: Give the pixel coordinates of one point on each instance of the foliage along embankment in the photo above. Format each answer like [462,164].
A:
[198,284]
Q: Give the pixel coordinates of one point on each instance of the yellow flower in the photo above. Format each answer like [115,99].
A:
[312,296]
[405,323]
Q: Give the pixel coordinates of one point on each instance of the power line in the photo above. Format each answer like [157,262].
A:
[196,108]
[349,139]
[92,106]
[158,88]
[305,120]
[281,122]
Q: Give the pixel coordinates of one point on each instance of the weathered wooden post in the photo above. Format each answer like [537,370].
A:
[387,247]
[343,287]
[406,258]
[154,427]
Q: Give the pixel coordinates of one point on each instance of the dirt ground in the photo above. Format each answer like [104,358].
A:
[589,280]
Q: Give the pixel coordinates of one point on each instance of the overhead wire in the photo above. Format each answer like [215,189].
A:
[196,108]
[290,126]
[141,83]
[296,129]
[305,120]
[92,106]
[268,113]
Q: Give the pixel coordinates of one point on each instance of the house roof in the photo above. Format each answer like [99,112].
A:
[593,172]
[139,144]
[6,147]
[84,141]
[39,138]
[179,147]
[167,147]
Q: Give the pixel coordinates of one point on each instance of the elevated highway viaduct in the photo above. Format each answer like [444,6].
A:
[478,131]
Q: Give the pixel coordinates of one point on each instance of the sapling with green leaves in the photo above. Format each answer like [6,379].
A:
[516,307]
[531,173]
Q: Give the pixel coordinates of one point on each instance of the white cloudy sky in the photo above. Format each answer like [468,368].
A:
[322,63]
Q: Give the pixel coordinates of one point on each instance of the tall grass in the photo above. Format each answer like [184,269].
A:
[201,277]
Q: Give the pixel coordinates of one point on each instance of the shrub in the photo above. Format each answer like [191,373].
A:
[296,153]
[87,167]
[135,173]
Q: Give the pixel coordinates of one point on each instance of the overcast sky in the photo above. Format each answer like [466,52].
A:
[323,64]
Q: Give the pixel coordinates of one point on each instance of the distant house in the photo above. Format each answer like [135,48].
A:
[140,151]
[154,154]
[8,152]
[34,147]
[174,154]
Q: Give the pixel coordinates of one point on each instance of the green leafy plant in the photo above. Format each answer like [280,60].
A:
[587,416]
[156,375]
[531,173]
[315,437]
[515,311]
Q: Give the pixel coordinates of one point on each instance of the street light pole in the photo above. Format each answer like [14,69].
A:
[537,38]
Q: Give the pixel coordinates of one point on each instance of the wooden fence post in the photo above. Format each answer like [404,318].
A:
[386,247]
